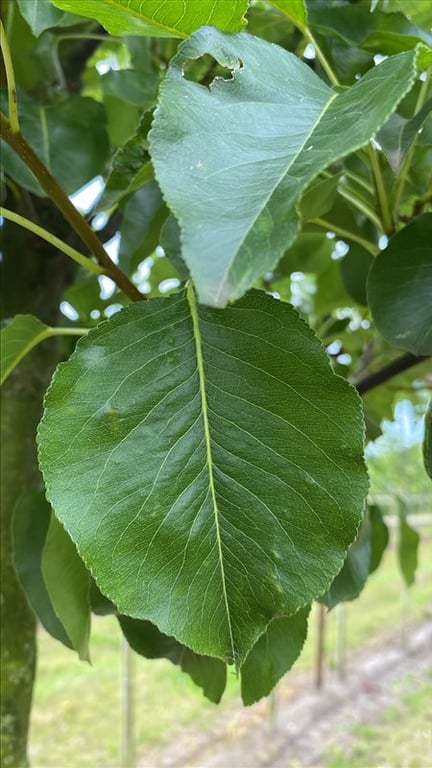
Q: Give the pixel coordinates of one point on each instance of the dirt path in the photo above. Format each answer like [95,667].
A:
[306,723]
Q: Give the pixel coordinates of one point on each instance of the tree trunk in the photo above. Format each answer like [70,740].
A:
[34,277]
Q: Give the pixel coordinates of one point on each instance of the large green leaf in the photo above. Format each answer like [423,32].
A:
[217,459]
[400,288]
[158,18]
[30,525]
[68,585]
[69,136]
[234,163]
[273,655]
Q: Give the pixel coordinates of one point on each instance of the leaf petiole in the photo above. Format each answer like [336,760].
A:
[10,78]
[53,240]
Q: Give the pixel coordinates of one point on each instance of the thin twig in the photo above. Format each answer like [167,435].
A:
[399,365]
[61,200]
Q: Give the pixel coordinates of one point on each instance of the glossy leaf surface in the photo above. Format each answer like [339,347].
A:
[273,655]
[215,480]
[158,18]
[400,288]
[68,584]
[246,147]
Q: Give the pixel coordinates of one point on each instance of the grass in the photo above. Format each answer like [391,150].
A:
[76,716]
[402,740]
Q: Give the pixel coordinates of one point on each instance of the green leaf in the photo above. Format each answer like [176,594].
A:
[319,198]
[219,463]
[206,672]
[17,338]
[143,216]
[273,655]
[387,33]
[350,581]
[354,269]
[40,15]
[247,147]
[400,288]
[379,536]
[131,169]
[177,18]
[69,136]
[68,582]
[294,9]
[427,441]
[408,541]
[30,525]
[398,134]
[170,242]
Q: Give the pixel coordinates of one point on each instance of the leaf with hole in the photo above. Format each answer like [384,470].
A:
[219,464]
[247,146]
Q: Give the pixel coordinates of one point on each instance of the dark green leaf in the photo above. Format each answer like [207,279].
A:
[131,169]
[398,135]
[18,337]
[379,536]
[354,269]
[70,137]
[177,18]
[68,582]
[319,198]
[30,525]
[408,541]
[170,242]
[247,146]
[206,672]
[143,216]
[427,441]
[400,288]
[376,32]
[164,420]
[273,655]
[350,581]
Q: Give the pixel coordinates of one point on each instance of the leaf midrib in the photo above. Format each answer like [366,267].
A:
[146,19]
[204,409]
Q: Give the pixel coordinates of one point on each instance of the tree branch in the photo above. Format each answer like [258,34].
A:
[399,365]
[61,200]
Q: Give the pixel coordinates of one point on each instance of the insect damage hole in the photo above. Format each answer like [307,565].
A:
[205,70]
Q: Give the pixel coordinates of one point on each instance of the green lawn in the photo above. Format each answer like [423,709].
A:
[76,718]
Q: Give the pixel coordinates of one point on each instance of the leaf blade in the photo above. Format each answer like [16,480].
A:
[254,177]
[159,19]
[161,528]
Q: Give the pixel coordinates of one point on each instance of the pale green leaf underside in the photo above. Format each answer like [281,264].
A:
[246,148]
[207,466]
[159,18]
